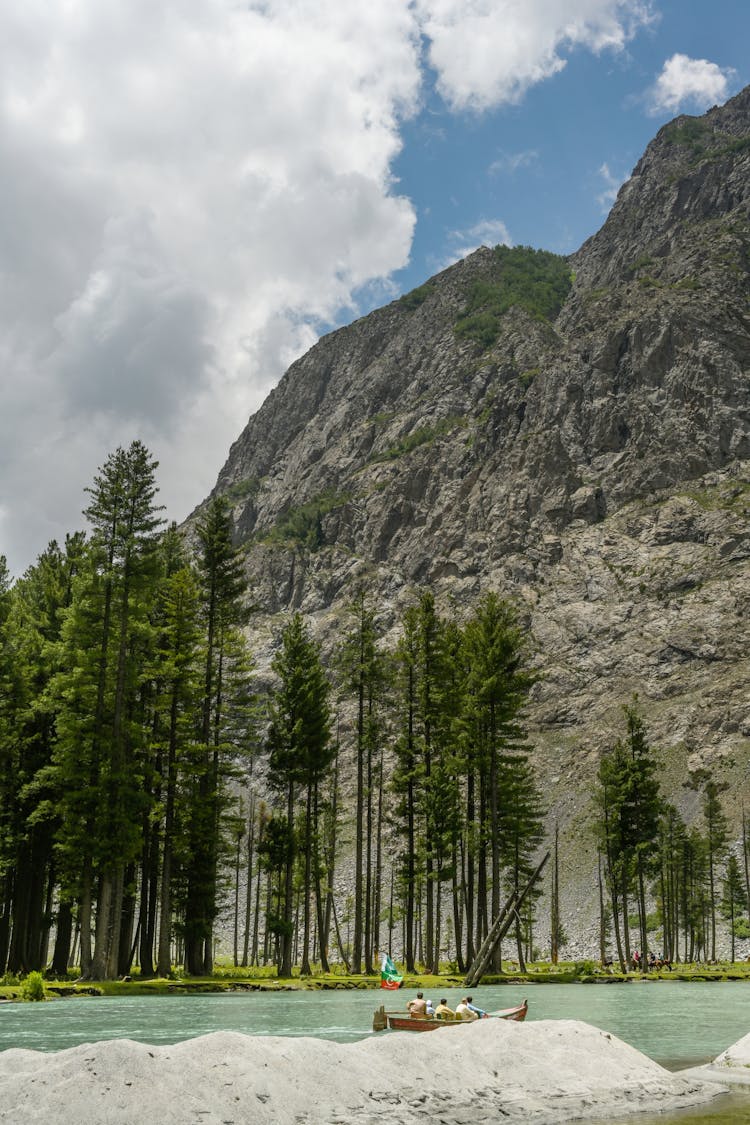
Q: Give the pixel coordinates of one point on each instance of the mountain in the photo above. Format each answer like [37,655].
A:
[574,433]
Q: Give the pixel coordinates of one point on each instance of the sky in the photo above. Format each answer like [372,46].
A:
[193,191]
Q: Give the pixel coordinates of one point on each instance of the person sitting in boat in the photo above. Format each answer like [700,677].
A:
[464,1012]
[443,1012]
[417,1008]
[430,1010]
[479,1013]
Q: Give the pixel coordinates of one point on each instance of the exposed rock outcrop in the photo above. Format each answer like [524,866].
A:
[594,466]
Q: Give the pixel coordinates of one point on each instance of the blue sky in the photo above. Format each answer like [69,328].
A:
[545,168]
[192,191]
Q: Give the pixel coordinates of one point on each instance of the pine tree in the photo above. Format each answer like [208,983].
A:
[300,752]
[734,897]
[522,831]
[670,896]
[176,708]
[106,637]
[628,826]
[226,671]
[362,673]
[407,780]
[717,833]
[498,681]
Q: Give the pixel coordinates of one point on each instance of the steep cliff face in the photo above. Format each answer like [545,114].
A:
[592,463]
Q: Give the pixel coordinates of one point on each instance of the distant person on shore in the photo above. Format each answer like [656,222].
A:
[478,1012]
[443,1012]
[417,1008]
[464,1012]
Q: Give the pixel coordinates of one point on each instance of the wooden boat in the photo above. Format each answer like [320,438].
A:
[398,1021]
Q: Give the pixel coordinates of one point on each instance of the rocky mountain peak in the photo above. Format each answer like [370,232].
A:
[572,433]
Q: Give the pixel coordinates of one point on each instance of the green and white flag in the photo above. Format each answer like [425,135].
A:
[390,977]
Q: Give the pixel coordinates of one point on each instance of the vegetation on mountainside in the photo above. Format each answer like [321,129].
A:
[303,524]
[416,297]
[423,435]
[535,280]
[243,489]
[701,140]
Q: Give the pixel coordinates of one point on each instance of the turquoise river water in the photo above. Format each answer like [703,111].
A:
[676,1024]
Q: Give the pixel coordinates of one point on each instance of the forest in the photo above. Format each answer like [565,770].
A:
[380,799]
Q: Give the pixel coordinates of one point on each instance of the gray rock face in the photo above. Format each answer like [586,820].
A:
[596,468]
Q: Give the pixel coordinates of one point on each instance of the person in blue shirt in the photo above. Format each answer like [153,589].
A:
[479,1012]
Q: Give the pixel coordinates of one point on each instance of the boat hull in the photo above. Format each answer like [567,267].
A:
[396,1021]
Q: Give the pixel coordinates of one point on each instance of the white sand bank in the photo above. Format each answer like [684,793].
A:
[732,1067]
[546,1071]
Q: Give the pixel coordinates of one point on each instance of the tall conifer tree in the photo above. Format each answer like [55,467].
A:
[301,751]
[222,586]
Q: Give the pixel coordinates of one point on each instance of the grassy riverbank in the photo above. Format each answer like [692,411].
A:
[230,979]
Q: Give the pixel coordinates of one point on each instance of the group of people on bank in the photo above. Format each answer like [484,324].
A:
[421,1009]
[642,964]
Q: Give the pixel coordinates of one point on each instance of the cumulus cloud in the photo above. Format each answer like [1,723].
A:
[190,190]
[695,83]
[489,52]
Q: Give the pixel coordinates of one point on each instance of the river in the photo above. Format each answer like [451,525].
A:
[677,1024]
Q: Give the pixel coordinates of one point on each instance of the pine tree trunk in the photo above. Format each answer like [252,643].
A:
[470,872]
[287,943]
[377,898]
[113,959]
[146,947]
[555,906]
[63,935]
[320,898]
[458,897]
[99,963]
[602,916]
[84,922]
[5,919]
[237,902]
[359,815]
[249,882]
[307,891]
[368,862]
[127,924]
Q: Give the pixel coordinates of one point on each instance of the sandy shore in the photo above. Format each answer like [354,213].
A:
[731,1067]
[545,1071]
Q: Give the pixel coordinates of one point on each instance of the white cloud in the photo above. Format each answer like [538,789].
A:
[683,81]
[510,162]
[489,52]
[612,185]
[190,189]
[487,232]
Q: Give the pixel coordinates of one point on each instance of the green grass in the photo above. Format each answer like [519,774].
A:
[230,979]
